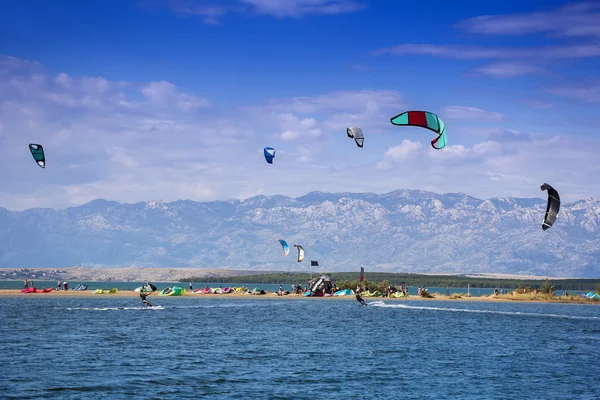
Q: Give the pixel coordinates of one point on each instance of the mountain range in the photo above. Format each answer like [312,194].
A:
[401,231]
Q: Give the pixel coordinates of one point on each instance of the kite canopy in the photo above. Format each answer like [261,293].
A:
[426,120]
[37,151]
[269,154]
[357,135]
[300,252]
[552,208]
[284,246]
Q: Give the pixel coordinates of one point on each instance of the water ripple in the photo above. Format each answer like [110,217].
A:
[71,348]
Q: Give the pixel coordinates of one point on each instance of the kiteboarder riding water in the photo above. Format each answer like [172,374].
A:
[143,297]
[359,297]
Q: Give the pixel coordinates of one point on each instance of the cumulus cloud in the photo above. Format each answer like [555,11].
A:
[165,94]
[509,164]
[139,141]
[314,118]
[133,142]
[295,127]
[404,151]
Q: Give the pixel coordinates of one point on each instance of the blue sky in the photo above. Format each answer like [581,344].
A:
[143,100]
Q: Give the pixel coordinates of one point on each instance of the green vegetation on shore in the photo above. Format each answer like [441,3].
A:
[403,279]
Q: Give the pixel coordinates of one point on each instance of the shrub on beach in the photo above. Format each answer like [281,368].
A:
[522,289]
[366,284]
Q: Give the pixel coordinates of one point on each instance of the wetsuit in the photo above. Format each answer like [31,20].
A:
[146,302]
[360,299]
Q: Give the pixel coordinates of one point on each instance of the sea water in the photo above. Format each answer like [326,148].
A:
[194,347]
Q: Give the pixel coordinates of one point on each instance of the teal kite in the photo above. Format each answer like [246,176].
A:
[37,151]
[426,120]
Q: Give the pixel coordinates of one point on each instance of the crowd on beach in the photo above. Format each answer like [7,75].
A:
[324,287]
[29,284]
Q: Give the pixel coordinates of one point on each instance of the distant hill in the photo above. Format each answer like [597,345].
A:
[400,231]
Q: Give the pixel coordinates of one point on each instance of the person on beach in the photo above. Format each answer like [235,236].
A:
[191,289]
[65,285]
[58,285]
[31,283]
[25,284]
[143,297]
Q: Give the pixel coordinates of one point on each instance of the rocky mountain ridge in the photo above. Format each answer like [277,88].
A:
[403,231]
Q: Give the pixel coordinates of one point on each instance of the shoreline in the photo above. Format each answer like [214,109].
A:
[174,274]
[506,298]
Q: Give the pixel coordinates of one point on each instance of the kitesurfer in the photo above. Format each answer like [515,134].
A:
[143,297]
[359,297]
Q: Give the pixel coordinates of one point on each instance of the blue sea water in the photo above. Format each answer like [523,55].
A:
[268,348]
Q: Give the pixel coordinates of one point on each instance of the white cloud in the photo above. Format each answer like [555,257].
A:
[166,94]
[580,50]
[589,93]
[297,8]
[504,168]
[470,113]
[508,69]
[295,127]
[210,12]
[133,142]
[311,119]
[155,148]
[571,20]
[537,104]
[405,150]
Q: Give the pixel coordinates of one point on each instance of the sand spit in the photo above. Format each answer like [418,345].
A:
[130,293]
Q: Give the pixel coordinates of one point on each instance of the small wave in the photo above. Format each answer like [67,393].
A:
[158,307]
[215,306]
[468,310]
[113,308]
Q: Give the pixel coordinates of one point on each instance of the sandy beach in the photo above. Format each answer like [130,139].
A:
[130,293]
